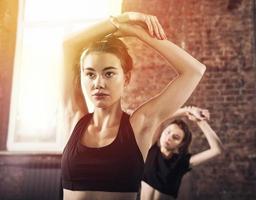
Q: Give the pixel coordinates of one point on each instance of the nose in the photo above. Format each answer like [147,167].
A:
[99,82]
[170,138]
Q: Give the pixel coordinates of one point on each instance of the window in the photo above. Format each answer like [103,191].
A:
[42,24]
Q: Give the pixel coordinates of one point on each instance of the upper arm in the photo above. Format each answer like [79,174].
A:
[72,103]
[72,97]
[204,156]
[163,105]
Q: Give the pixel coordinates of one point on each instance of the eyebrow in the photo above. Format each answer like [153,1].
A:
[105,69]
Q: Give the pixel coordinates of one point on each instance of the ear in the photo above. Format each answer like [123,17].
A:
[127,78]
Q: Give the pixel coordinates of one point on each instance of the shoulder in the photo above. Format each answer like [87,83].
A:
[83,118]
[183,157]
[184,163]
[80,122]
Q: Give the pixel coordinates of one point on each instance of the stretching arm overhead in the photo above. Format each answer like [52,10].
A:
[200,117]
[149,115]
[214,142]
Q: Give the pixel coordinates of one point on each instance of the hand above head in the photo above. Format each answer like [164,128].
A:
[197,114]
[129,30]
[148,22]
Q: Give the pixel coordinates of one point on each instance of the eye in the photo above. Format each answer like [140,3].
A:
[176,137]
[109,74]
[90,75]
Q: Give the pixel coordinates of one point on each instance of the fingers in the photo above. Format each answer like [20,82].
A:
[161,30]
[154,27]
[150,28]
[192,117]
[206,114]
[158,29]
[198,113]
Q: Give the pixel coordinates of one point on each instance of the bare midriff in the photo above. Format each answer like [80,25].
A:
[97,195]
[149,193]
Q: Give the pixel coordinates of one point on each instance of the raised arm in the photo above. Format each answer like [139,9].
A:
[190,71]
[214,142]
[73,45]
[216,147]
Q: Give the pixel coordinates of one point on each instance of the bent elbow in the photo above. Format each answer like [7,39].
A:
[203,69]
[196,73]
[218,151]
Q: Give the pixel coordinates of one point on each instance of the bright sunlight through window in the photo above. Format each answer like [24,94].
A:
[42,25]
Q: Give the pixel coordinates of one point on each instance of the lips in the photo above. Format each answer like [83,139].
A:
[100,94]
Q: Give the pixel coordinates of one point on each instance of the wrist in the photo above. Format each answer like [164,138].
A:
[180,112]
[186,110]
[113,20]
[122,18]
[200,122]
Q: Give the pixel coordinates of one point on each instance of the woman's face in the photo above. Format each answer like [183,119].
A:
[171,137]
[102,78]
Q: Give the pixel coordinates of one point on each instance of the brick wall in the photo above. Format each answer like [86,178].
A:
[220,34]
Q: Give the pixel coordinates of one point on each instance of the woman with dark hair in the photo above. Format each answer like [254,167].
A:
[169,158]
[104,157]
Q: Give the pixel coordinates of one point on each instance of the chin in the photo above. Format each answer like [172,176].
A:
[101,105]
[170,148]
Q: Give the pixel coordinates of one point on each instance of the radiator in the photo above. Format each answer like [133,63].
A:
[30,177]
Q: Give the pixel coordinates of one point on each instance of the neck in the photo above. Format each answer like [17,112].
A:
[166,153]
[107,117]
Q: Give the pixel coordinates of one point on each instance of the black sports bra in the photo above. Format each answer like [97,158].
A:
[117,167]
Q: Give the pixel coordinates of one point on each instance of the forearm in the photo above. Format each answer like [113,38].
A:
[214,142]
[211,136]
[83,38]
[177,57]
[70,92]
[72,101]
[180,113]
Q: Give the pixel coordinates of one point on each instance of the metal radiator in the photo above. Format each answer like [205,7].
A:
[30,177]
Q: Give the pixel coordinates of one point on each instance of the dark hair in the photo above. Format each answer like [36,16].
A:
[184,146]
[111,44]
